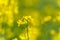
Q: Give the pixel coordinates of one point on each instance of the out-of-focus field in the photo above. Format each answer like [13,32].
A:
[29,19]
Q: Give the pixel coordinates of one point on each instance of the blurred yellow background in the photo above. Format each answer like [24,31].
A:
[29,19]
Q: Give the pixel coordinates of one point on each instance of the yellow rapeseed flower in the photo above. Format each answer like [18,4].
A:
[47,18]
[52,32]
[5,2]
[19,22]
[57,37]
[58,18]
